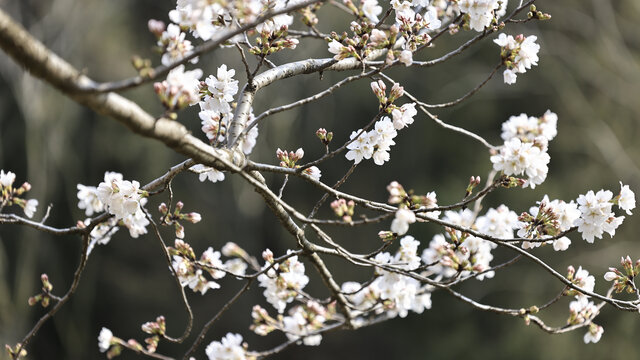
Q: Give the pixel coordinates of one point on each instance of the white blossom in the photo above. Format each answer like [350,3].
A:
[405,293]
[248,142]
[626,199]
[337,49]
[373,144]
[594,334]
[229,348]
[371,10]
[596,216]
[137,222]
[205,172]
[121,197]
[583,280]
[236,266]
[175,45]
[480,12]
[104,339]
[222,88]
[30,207]
[7,179]
[400,224]
[518,158]
[101,233]
[88,200]
[431,18]
[180,89]
[561,244]
[406,57]
[498,222]
[407,256]
[198,15]
[282,281]
[297,326]
[529,128]
[522,50]
[403,116]
[509,76]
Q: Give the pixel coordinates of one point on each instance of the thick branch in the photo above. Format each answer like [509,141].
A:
[34,56]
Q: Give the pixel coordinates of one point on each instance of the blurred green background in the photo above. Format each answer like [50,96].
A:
[589,74]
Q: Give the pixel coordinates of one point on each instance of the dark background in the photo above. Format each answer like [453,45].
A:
[589,74]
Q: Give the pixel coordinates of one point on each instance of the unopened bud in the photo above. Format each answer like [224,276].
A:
[156,27]
[163,208]
[46,285]
[193,217]
[26,186]
[386,236]
[267,255]
[610,276]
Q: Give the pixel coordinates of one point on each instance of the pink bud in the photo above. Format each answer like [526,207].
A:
[156,27]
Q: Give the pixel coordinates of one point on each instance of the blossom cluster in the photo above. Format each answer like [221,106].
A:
[408,202]
[376,143]
[549,218]
[214,96]
[229,348]
[480,13]
[205,18]
[518,54]
[10,195]
[624,280]
[180,89]
[402,39]
[596,215]
[581,310]
[301,323]
[592,214]
[191,271]
[282,281]
[290,159]
[460,253]
[171,42]
[119,197]
[526,142]
[398,293]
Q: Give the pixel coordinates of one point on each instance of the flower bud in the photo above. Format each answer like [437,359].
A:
[193,217]
[610,276]
[163,209]
[267,255]
[156,27]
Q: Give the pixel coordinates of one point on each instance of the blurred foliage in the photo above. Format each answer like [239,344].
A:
[589,74]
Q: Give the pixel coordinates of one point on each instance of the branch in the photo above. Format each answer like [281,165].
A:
[208,46]
[210,323]
[31,54]
[465,96]
[442,123]
[270,76]
[76,280]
